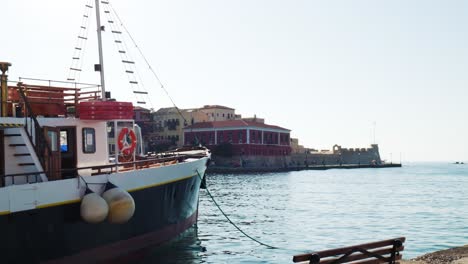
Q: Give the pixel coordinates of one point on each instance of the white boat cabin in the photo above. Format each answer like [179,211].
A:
[51,133]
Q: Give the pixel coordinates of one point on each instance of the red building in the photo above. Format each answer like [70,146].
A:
[245,137]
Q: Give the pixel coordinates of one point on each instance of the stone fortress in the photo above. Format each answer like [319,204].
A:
[338,156]
[306,158]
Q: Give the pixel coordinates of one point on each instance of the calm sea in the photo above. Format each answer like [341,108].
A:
[314,210]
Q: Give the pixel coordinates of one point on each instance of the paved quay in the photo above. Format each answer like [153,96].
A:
[458,255]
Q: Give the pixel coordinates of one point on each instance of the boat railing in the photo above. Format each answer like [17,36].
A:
[30,177]
[52,98]
[33,177]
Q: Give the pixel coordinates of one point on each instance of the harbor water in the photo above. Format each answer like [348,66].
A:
[304,211]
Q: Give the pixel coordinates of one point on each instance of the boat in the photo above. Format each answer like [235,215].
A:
[75,183]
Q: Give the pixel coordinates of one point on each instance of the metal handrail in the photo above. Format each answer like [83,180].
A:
[40,144]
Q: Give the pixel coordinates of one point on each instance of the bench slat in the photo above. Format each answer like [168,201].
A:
[344,250]
[361,256]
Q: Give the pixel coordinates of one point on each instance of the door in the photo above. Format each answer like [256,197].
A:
[68,152]
[52,164]
[2,158]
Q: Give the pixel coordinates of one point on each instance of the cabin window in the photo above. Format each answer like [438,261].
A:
[63,141]
[53,140]
[89,140]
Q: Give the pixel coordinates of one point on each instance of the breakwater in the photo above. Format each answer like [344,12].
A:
[242,170]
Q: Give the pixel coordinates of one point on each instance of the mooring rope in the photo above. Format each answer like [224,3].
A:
[230,221]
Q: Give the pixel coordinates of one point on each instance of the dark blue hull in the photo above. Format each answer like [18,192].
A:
[58,234]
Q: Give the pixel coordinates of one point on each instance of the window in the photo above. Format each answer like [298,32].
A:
[63,141]
[89,140]
[53,140]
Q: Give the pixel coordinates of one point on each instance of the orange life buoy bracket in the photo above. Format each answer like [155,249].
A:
[127,148]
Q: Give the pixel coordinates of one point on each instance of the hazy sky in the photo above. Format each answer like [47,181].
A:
[327,70]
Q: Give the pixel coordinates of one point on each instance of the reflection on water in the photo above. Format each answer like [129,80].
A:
[185,249]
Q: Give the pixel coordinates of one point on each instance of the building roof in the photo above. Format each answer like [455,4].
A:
[233,123]
[166,110]
[139,108]
[216,107]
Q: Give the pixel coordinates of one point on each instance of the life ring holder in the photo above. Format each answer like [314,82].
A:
[125,147]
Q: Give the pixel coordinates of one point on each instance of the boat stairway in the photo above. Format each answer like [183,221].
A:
[20,157]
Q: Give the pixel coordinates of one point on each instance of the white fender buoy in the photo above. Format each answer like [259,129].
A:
[94,208]
[120,202]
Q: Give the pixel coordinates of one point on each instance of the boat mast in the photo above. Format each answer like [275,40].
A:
[4,88]
[101,56]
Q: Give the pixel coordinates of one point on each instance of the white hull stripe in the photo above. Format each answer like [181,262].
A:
[130,190]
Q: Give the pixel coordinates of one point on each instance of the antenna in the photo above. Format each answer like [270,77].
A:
[374,124]
[101,56]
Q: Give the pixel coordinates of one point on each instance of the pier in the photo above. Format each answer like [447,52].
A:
[242,170]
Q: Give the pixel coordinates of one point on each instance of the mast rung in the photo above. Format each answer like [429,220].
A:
[133,82]
[139,92]
[80,37]
[122,51]
[83,27]
[129,72]
[129,62]
[88,6]
[107,11]
[85,16]
[110,21]
[105,2]
[77,48]
[76,58]
[118,41]
[116,32]
[70,79]
[75,69]
[140,102]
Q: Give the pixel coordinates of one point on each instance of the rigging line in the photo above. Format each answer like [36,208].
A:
[132,75]
[77,44]
[134,79]
[86,31]
[126,56]
[81,43]
[147,63]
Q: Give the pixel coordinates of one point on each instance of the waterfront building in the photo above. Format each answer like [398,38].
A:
[295,147]
[242,137]
[167,124]
[219,113]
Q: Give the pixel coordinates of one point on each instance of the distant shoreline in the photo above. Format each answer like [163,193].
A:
[240,170]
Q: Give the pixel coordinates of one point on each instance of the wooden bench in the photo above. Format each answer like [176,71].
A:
[386,251]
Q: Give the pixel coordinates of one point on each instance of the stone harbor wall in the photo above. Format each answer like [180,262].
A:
[337,156]
[252,161]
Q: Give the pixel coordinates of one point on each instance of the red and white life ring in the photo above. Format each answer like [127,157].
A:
[127,148]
